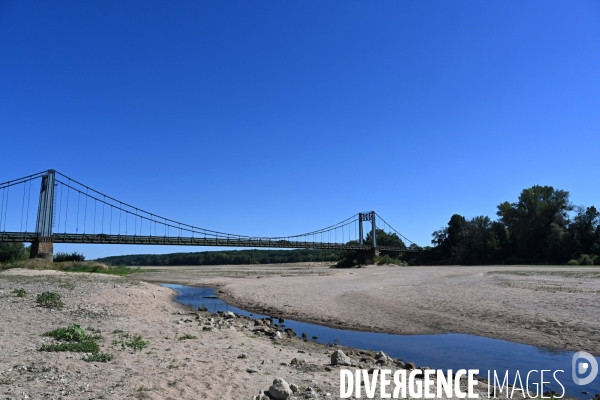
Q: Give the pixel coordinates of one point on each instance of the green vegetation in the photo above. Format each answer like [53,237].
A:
[98,357]
[72,333]
[353,258]
[74,256]
[226,257]
[7,379]
[187,336]
[120,270]
[74,339]
[13,252]
[541,227]
[77,347]
[135,342]
[20,292]
[50,299]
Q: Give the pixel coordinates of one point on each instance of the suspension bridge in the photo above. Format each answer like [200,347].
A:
[70,212]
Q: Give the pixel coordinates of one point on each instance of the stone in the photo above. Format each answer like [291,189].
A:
[410,365]
[339,358]
[229,315]
[202,309]
[298,361]
[280,389]
[278,335]
[243,355]
[251,370]
[294,388]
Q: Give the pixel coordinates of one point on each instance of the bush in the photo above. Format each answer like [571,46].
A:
[74,256]
[572,262]
[584,259]
[597,260]
[98,357]
[126,340]
[11,252]
[20,292]
[74,339]
[50,299]
[89,346]
[72,333]
[386,259]
[187,336]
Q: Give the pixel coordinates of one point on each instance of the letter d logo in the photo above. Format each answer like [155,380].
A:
[583,367]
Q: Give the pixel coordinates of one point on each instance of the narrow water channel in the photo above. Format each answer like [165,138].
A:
[444,351]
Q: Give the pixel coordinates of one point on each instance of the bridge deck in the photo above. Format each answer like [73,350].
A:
[191,241]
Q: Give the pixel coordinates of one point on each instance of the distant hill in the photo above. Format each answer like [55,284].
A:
[233,257]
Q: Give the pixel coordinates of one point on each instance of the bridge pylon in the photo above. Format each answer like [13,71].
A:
[42,246]
[371,217]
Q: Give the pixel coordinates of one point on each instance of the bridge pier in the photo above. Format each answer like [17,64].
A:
[42,249]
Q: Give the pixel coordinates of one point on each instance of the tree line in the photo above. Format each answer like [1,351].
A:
[542,226]
[225,257]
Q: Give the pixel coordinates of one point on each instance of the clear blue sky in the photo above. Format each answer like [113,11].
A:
[273,118]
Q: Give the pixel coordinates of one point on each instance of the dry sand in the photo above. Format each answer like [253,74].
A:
[554,307]
[536,308]
[202,368]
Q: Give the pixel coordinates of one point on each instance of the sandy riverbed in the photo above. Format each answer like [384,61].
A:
[209,367]
[554,307]
[204,368]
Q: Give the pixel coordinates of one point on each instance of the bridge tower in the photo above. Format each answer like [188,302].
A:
[368,216]
[43,246]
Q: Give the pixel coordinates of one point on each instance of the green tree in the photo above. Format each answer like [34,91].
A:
[11,252]
[530,220]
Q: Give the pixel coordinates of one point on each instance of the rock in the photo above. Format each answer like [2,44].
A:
[410,365]
[381,355]
[280,389]
[243,355]
[278,335]
[294,388]
[229,315]
[298,361]
[400,364]
[202,309]
[251,370]
[339,358]
[304,335]
[261,396]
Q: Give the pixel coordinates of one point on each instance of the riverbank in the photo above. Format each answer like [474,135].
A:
[233,359]
[552,307]
[181,361]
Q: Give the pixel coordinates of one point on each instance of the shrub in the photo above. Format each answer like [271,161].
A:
[73,338]
[597,260]
[98,357]
[126,340]
[572,262]
[187,336]
[584,259]
[20,292]
[137,343]
[72,333]
[50,299]
[74,256]
[88,346]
